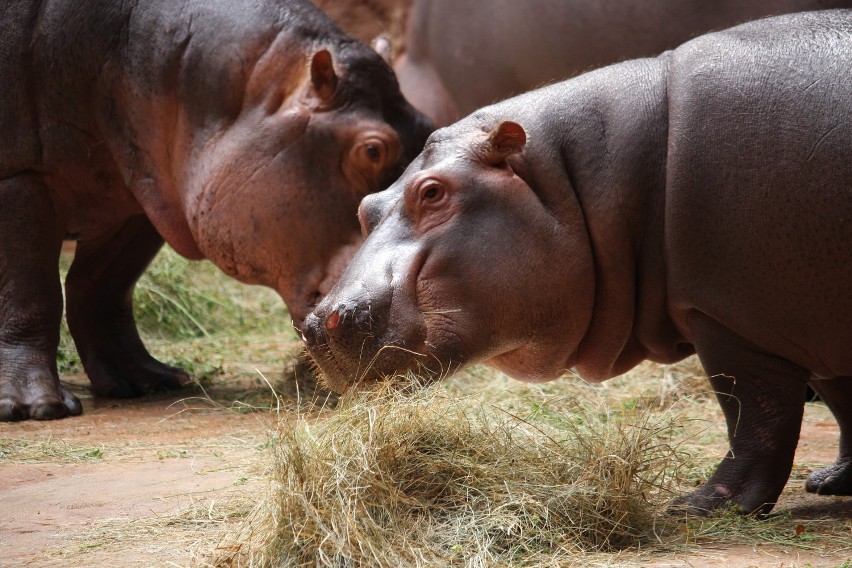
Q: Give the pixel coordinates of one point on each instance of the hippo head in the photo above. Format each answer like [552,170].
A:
[464,263]
[273,187]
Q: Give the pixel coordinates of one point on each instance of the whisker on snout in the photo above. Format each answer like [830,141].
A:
[375,357]
[440,312]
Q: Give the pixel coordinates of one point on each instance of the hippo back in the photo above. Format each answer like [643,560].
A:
[473,56]
[759,185]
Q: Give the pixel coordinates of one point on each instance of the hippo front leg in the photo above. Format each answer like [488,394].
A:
[836,479]
[762,397]
[99,291]
[30,303]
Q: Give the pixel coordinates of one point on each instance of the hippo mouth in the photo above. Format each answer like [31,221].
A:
[368,360]
[378,337]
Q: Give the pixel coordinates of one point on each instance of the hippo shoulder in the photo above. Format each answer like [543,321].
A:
[793,68]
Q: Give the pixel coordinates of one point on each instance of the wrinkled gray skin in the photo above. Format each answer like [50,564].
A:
[464,54]
[700,201]
[245,132]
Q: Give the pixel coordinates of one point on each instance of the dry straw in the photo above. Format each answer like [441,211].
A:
[392,478]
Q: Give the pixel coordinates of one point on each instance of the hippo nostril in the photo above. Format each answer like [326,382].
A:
[333,320]
[311,331]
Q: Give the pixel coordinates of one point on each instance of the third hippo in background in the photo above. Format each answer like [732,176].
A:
[700,201]
[464,54]
[242,131]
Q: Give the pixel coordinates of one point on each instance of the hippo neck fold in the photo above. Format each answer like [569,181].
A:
[614,145]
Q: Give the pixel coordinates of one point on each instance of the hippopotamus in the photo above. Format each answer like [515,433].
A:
[244,132]
[459,58]
[699,201]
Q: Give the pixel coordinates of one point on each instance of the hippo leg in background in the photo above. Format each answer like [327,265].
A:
[762,397]
[836,479]
[30,303]
[99,292]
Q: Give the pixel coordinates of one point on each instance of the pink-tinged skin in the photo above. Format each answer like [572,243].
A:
[462,54]
[698,202]
[242,132]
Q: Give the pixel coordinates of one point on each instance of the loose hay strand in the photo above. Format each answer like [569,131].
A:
[420,478]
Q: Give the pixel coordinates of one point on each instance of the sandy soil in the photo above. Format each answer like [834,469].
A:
[128,483]
[153,482]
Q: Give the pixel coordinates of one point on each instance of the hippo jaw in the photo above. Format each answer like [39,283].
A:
[442,282]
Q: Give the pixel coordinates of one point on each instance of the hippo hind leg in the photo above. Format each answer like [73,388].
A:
[762,397]
[30,303]
[99,292]
[836,479]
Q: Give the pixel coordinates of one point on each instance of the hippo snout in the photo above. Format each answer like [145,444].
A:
[350,342]
[337,324]
[342,338]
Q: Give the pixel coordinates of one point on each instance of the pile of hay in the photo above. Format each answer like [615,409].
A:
[393,479]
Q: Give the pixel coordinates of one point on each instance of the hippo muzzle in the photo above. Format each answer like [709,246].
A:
[368,327]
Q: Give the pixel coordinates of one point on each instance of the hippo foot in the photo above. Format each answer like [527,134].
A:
[121,377]
[835,479]
[756,498]
[37,396]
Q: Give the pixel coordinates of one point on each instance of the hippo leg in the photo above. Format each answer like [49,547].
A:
[30,303]
[762,397]
[835,479]
[99,291]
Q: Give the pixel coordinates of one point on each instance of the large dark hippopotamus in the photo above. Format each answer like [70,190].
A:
[463,54]
[699,202]
[245,132]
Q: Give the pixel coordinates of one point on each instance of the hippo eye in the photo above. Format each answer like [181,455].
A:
[373,153]
[431,193]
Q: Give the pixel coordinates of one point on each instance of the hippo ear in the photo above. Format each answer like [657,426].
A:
[383,47]
[506,139]
[323,77]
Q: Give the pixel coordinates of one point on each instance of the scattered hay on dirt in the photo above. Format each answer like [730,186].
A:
[423,479]
[56,450]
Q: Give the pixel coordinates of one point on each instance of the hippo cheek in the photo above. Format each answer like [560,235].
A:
[446,346]
[281,233]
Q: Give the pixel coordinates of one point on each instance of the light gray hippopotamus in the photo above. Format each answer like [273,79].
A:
[464,54]
[245,132]
[699,202]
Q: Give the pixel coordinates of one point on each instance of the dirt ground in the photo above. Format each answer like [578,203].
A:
[154,482]
[75,491]
[367,19]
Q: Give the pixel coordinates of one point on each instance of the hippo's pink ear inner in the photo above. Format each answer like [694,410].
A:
[507,138]
[323,77]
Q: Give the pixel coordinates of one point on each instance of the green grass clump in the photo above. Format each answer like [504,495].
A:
[179,300]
